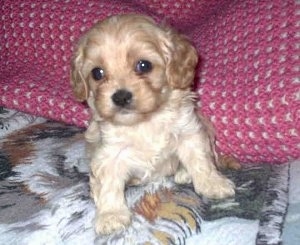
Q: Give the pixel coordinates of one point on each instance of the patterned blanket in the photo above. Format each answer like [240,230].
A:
[44,196]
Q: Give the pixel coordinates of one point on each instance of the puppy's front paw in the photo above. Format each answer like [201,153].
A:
[214,186]
[106,223]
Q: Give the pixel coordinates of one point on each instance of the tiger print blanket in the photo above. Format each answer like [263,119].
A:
[44,196]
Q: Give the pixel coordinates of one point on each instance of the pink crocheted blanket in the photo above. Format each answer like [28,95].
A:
[248,78]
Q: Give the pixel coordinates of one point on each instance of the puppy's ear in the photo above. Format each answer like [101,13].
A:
[181,59]
[78,81]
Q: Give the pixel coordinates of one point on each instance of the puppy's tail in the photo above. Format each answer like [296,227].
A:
[228,162]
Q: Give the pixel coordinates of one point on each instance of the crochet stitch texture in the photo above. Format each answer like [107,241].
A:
[248,78]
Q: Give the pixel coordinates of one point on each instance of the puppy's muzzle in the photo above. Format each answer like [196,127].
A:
[122,98]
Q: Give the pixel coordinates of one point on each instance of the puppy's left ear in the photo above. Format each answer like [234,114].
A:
[181,59]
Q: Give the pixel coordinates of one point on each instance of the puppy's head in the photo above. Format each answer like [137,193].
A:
[129,65]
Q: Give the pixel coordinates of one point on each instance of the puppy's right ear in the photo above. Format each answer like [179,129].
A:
[78,81]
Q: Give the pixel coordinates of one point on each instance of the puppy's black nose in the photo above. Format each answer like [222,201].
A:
[122,97]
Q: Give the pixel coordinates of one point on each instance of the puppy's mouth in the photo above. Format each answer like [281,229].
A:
[126,117]
[129,115]
[125,111]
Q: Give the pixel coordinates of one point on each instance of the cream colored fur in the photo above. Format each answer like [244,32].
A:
[159,134]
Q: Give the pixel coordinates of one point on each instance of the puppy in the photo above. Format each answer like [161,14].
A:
[137,77]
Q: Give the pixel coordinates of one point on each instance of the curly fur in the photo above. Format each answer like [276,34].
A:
[158,133]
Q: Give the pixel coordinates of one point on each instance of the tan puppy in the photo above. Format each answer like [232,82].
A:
[136,77]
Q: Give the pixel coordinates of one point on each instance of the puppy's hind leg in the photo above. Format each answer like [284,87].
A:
[182,176]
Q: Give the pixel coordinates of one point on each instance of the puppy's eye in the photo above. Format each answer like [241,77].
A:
[143,66]
[98,73]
